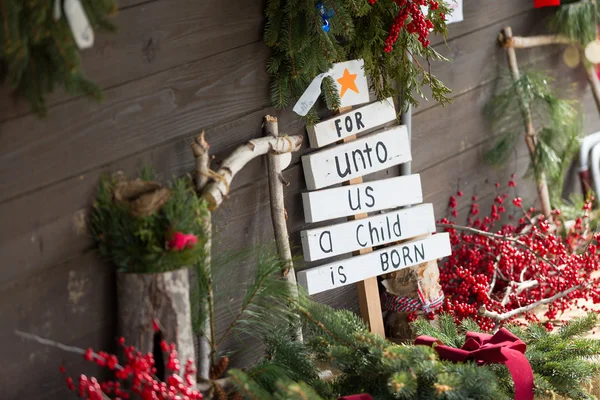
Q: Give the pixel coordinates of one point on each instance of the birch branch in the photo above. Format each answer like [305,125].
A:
[530,134]
[521,42]
[206,345]
[278,214]
[509,314]
[218,189]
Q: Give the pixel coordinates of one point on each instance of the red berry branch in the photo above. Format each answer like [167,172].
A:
[418,23]
[134,379]
[497,274]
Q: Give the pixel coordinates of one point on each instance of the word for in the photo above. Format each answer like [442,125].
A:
[351,123]
[380,229]
[351,270]
[361,157]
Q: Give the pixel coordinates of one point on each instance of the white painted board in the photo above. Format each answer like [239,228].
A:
[351,123]
[369,154]
[351,81]
[346,237]
[354,269]
[344,201]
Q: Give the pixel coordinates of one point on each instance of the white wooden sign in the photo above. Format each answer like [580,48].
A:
[365,233]
[351,123]
[351,270]
[366,197]
[351,81]
[372,153]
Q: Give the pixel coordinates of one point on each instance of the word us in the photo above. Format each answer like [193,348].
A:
[382,223]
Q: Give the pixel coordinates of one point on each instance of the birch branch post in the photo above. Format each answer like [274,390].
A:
[217,189]
[530,134]
[520,42]
[278,213]
[206,343]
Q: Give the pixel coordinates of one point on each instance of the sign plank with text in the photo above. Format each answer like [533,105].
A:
[351,123]
[389,259]
[351,160]
[367,197]
[374,231]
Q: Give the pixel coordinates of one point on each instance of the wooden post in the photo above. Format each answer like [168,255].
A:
[368,290]
[278,218]
[530,134]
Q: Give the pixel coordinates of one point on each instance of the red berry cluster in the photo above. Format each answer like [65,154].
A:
[418,23]
[136,378]
[518,264]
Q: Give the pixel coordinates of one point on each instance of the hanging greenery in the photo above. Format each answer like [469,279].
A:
[141,226]
[557,127]
[390,36]
[40,52]
[577,20]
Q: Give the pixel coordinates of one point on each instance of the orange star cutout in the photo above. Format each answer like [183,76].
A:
[348,81]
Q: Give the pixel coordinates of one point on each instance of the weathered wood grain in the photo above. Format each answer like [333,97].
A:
[156,36]
[476,58]
[72,302]
[479,14]
[76,138]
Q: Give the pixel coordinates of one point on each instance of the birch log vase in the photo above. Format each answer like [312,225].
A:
[156,298]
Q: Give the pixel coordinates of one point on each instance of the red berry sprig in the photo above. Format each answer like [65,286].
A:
[418,23]
[518,264]
[136,377]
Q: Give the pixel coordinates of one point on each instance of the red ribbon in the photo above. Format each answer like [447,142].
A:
[501,348]
[545,3]
[357,397]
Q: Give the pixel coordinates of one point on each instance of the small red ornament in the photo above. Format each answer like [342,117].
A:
[546,3]
[181,241]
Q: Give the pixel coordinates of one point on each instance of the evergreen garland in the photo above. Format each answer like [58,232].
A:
[302,49]
[134,235]
[563,363]
[41,54]
[558,126]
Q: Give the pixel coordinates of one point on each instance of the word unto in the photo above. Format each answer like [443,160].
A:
[361,159]
[367,235]
[348,124]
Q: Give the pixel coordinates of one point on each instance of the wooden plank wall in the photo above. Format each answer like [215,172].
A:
[177,67]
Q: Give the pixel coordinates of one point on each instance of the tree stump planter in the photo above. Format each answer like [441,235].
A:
[155,307]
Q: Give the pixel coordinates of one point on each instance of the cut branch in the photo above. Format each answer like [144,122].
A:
[278,214]
[509,314]
[218,189]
